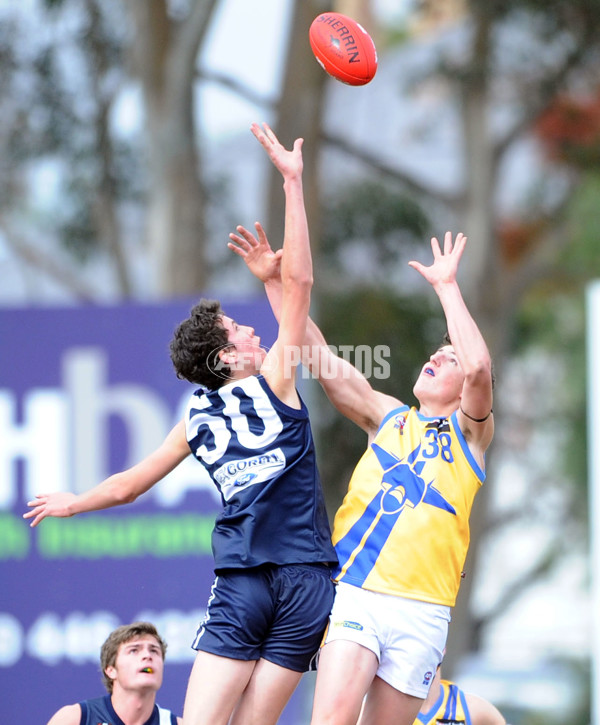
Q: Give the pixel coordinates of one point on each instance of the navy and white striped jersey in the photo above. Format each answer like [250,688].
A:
[260,454]
[100,711]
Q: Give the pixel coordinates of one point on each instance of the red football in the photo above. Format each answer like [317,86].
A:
[344,48]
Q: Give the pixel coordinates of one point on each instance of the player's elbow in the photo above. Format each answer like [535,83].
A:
[130,497]
[123,491]
[301,280]
[124,496]
[480,372]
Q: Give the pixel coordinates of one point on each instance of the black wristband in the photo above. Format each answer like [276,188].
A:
[476,420]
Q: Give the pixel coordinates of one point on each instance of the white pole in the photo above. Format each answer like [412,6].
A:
[593,444]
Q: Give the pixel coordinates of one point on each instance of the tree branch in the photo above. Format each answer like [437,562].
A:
[547,90]
[540,261]
[240,89]
[521,583]
[190,34]
[50,267]
[397,175]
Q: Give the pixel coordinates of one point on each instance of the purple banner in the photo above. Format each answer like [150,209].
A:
[85,392]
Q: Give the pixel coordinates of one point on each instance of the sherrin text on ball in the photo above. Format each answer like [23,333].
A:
[343,48]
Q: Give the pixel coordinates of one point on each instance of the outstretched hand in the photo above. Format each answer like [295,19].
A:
[445,264]
[49,504]
[260,259]
[289,163]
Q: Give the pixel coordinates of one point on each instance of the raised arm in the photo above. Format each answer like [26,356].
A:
[348,390]
[117,489]
[282,360]
[346,387]
[475,411]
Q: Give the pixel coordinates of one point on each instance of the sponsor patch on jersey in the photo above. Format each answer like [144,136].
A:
[427,677]
[349,625]
[235,476]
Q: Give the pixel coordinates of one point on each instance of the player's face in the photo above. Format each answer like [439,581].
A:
[441,375]
[246,343]
[139,665]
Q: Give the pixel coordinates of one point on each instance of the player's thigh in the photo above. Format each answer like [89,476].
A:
[238,615]
[344,674]
[384,705]
[303,597]
[267,693]
[214,687]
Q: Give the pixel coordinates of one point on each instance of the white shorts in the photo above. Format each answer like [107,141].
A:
[407,636]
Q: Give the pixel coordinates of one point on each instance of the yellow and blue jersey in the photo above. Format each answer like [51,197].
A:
[451,707]
[403,527]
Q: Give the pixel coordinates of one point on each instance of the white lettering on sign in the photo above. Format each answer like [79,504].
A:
[78,636]
[60,437]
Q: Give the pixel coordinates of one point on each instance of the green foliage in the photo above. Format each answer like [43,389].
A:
[577,712]
[410,329]
[370,214]
[553,16]
[58,100]
[582,257]
[553,318]
[556,323]
[369,221]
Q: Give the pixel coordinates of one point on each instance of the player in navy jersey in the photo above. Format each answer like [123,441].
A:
[247,425]
[131,661]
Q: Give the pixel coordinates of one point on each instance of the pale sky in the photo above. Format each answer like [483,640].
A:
[247,45]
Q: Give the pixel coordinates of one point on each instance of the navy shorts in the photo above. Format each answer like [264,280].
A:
[278,613]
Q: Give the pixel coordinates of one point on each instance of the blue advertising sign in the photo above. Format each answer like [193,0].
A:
[86,392]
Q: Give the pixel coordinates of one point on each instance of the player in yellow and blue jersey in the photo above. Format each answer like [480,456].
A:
[447,704]
[402,532]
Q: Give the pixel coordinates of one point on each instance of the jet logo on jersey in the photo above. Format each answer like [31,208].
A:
[402,486]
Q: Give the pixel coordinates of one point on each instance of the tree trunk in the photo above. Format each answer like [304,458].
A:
[299,114]
[166,53]
[479,283]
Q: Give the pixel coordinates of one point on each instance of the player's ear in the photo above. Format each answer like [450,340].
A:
[111,672]
[228,355]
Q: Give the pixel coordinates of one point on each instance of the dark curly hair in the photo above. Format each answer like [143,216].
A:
[196,344]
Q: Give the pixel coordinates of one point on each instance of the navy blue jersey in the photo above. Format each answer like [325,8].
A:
[101,712]
[260,454]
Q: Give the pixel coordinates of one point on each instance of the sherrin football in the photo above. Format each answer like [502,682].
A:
[343,48]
